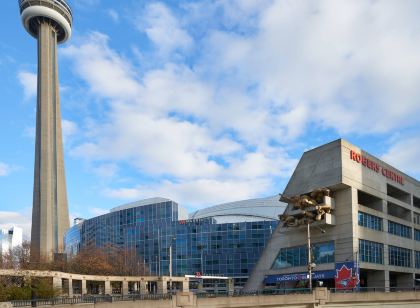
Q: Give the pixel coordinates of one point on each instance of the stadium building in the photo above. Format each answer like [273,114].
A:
[369,236]
[224,240]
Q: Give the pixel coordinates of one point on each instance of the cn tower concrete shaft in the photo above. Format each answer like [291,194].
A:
[50,22]
[50,219]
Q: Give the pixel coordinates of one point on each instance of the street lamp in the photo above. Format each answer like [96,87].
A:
[311,265]
[306,209]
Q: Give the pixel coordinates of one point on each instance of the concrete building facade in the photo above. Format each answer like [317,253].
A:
[49,21]
[373,229]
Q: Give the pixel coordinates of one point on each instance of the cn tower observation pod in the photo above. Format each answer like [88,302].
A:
[57,12]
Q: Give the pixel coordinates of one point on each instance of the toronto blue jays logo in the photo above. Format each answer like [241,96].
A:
[345,279]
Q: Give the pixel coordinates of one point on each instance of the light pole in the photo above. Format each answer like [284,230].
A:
[310,264]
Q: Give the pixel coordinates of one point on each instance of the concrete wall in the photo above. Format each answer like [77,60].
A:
[320,298]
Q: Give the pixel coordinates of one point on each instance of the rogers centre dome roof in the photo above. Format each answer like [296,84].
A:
[247,210]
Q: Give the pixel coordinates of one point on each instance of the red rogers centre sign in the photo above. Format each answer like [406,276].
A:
[368,163]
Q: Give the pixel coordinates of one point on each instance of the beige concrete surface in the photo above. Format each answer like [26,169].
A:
[317,299]
[50,218]
[331,165]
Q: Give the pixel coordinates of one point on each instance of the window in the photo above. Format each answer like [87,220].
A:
[417,235]
[371,252]
[399,256]
[370,221]
[399,229]
[323,252]
[416,218]
[298,256]
[417,255]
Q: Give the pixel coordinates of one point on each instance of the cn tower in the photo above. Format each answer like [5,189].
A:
[50,22]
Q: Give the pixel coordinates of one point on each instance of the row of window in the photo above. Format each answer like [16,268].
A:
[298,256]
[373,252]
[399,229]
[376,223]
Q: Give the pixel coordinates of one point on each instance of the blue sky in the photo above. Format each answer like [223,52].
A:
[207,102]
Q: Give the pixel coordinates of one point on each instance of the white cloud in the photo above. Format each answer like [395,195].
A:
[168,124]
[114,15]
[332,60]
[22,219]
[28,81]
[200,193]
[404,154]
[108,74]
[69,128]
[5,169]
[226,118]
[96,211]
[163,29]
[106,170]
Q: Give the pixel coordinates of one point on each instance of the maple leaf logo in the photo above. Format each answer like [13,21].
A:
[344,278]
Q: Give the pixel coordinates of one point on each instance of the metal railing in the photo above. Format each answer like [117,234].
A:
[376,289]
[238,293]
[199,294]
[88,299]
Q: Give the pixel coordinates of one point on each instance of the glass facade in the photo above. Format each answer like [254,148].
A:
[370,221]
[399,229]
[199,245]
[371,252]
[298,256]
[399,256]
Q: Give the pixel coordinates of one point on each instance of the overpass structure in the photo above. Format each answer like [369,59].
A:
[320,297]
[77,284]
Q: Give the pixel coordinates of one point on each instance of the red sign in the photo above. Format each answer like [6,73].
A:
[197,275]
[368,163]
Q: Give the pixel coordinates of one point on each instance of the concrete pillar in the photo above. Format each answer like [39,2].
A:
[124,287]
[143,287]
[162,286]
[57,284]
[84,291]
[186,285]
[108,287]
[230,286]
[70,287]
[386,280]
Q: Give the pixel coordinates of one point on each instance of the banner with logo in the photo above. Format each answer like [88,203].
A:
[347,275]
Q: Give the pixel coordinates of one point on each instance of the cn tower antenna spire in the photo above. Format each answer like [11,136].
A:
[50,22]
